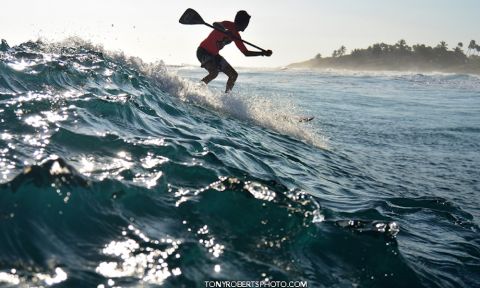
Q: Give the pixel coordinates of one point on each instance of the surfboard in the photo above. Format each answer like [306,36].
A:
[300,119]
[306,119]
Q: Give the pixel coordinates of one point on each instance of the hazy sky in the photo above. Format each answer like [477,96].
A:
[295,30]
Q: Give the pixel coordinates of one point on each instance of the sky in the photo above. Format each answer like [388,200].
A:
[295,30]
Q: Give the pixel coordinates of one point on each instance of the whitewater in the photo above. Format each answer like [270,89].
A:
[119,173]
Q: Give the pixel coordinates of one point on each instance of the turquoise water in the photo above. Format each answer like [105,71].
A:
[116,172]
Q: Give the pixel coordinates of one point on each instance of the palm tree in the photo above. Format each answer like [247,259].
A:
[340,52]
[443,45]
[376,49]
[401,44]
[471,46]
[458,49]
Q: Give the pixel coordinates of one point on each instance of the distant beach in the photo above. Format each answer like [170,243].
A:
[401,57]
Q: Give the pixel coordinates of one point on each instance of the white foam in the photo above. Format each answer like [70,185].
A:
[245,105]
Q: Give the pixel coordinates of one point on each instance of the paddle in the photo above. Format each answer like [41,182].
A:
[191,17]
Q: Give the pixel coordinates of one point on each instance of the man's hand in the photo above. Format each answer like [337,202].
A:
[267,53]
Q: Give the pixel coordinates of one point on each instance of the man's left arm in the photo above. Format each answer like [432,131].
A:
[258,53]
[249,53]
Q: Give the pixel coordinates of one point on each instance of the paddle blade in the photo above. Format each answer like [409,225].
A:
[191,17]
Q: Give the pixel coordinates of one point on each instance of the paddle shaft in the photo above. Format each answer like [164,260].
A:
[233,37]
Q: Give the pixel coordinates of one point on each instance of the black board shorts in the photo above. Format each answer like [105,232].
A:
[205,57]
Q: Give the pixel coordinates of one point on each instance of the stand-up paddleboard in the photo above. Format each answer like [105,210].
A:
[300,119]
[306,119]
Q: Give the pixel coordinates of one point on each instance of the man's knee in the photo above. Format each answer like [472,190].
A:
[211,68]
[232,75]
[213,73]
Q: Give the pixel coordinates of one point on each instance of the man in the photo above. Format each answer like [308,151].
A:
[208,51]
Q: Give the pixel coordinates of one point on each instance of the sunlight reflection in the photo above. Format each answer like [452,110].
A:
[209,242]
[8,278]
[148,180]
[20,65]
[59,277]
[142,258]
[151,160]
[260,191]
[87,165]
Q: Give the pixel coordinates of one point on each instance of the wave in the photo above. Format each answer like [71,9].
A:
[162,181]
[467,81]
[75,62]
[142,175]
[57,213]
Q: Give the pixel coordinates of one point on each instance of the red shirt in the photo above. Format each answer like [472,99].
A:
[217,40]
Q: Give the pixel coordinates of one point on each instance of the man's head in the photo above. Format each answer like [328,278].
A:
[241,20]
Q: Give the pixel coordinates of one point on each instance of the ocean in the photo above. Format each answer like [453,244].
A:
[121,173]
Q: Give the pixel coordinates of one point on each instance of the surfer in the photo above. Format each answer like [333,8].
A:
[225,32]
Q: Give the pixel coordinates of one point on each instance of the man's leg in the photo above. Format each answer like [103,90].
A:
[231,73]
[212,72]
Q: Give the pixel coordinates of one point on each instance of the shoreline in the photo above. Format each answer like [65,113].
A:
[383,69]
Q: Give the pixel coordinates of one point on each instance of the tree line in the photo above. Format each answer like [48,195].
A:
[401,56]
[420,51]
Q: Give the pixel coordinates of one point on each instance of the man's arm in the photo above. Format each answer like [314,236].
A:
[258,53]
[238,41]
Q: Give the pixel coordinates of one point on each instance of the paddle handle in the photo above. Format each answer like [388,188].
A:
[236,38]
